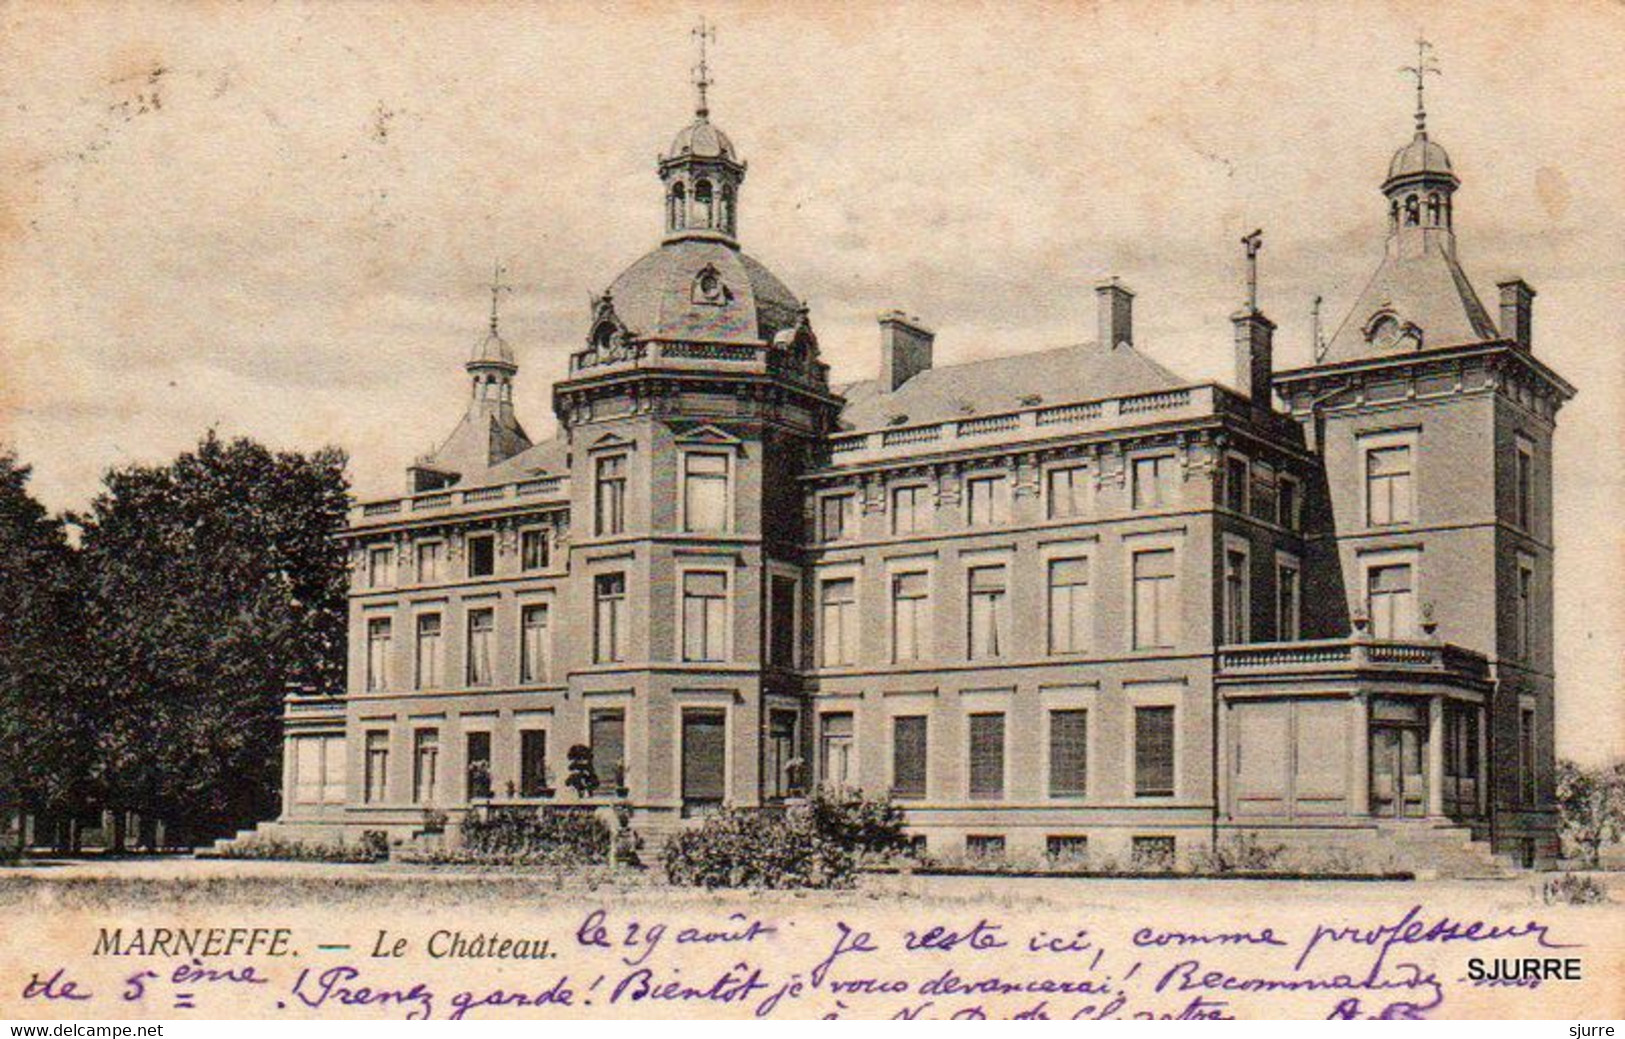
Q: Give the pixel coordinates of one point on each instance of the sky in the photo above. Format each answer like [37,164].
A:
[280,220]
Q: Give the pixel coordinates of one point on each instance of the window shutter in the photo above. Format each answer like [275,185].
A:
[1153,751]
[704,756]
[909,756]
[1068,753]
[987,756]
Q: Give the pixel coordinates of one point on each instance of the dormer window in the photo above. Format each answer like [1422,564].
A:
[709,287]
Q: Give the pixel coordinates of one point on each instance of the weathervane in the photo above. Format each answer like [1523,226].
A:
[1253,243]
[702,72]
[1424,65]
[497,288]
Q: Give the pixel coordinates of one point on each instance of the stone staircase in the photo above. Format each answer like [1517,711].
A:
[1434,850]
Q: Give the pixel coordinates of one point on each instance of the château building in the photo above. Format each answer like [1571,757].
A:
[1064,603]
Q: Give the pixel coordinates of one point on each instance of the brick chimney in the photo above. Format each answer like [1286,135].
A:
[1114,305]
[905,348]
[1517,312]
[1255,355]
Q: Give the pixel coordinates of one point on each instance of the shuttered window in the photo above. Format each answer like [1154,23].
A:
[1153,751]
[986,757]
[704,756]
[1068,753]
[908,756]
[607,736]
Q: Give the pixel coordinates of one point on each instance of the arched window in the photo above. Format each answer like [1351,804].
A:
[1413,211]
[702,203]
[1447,214]
[1433,209]
[727,221]
[676,206]
[1393,214]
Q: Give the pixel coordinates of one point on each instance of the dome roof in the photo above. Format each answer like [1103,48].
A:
[1419,156]
[702,289]
[493,349]
[701,140]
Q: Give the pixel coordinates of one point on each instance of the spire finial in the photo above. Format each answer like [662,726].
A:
[703,32]
[1253,243]
[1424,65]
[497,288]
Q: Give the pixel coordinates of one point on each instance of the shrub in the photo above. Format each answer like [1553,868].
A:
[1573,889]
[815,845]
[376,842]
[583,779]
[545,835]
[1241,853]
[303,851]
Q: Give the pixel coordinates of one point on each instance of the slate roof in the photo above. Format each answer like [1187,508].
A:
[656,297]
[1428,289]
[1068,374]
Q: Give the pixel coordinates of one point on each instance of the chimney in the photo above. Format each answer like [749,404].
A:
[1517,312]
[905,348]
[1255,356]
[1114,305]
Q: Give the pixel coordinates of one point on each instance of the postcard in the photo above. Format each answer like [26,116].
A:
[762,510]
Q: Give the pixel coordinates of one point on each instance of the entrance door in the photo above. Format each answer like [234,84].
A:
[1399,771]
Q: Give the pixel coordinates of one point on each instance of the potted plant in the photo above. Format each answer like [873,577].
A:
[582,779]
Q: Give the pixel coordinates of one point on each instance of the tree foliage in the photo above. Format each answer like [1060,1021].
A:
[45,703]
[213,584]
[1591,804]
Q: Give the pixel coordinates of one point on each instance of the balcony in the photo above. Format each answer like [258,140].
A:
[1351,658]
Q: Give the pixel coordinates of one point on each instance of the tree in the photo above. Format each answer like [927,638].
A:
[45,706]
[213,585]
[1591,804]
[583,778]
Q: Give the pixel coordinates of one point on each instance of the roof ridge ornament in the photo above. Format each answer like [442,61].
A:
[1425,64]
[703,32]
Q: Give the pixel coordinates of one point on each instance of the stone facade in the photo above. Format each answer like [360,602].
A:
[1064,604]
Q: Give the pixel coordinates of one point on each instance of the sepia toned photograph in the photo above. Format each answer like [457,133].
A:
[759,510]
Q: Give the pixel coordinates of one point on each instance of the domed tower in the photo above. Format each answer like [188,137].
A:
[1435,429]
[690,411]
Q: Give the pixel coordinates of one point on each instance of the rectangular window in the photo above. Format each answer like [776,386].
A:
[837,514]
[481,633]
[534,646]
[1153,752]
[430,651]
[1235,597]
[780,751]
[1235,484]
[375,777]
[908,510]
[705,615]
[425,766]
[1067,850]
[609,495]
[1524,488]
[1526,755]
[1068,488]
[1068,605]
[1152,853]
[705,491]
[533,549]
[838,621]
[705,781]
[379,645]
[910,601]
[609,618]
[380,567]
[1526,609]
[1156,602]
[908,741]
[1153,480]
[1392,601]
[477,765]
[984,847]
[1068,753]
[606,736]
[429,555]
[1286,503]
[482,555]
[1388,485]
[988,500]
[1287,621]
[988,634]
[533,763]
[835,762]
[986,757]
[782,635]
